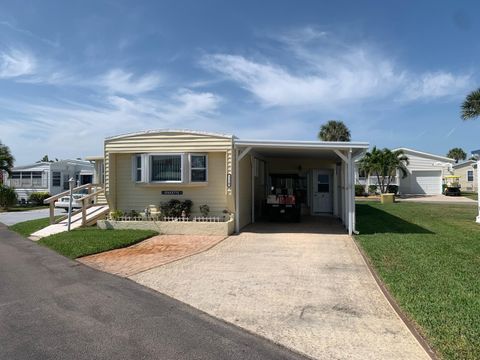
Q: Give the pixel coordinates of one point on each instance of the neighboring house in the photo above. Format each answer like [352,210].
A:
[230,175]
[51,177]
[425,173]
[467,170]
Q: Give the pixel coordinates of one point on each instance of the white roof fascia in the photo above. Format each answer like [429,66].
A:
[289,144]
[444,158]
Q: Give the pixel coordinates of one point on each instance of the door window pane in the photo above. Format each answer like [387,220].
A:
[166,168]
[323,185]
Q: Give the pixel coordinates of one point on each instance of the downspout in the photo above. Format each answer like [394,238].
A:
[349,192]
[354,220]
[237,193]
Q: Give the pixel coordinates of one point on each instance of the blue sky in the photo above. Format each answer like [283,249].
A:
[72,73]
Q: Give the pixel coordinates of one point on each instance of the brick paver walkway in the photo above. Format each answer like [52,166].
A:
[156,251]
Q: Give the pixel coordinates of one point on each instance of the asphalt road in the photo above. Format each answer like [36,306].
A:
[13,217]
[55,308]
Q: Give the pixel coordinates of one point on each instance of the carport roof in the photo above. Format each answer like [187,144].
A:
[299,146]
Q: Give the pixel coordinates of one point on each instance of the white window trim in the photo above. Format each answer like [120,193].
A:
[149,168]
[61,177]
[190,168]
[473,175]
[135,168]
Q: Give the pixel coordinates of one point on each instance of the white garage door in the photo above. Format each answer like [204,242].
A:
[426,182]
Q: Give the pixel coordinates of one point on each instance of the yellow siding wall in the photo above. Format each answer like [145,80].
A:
[462,172]
[166,142]
[245,194]
[133,196]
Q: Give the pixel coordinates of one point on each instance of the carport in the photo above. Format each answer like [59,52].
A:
[315,177]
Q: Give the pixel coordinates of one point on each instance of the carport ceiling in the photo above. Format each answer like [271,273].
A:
[299,149]
[296,153]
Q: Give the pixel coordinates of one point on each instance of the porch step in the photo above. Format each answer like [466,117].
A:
[94,213]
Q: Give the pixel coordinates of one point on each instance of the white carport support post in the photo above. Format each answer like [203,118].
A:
[238,156]
[350,193]
[478,189]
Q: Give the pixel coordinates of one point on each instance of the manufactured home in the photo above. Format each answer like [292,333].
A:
[425,174]
[50,177]
[244,180]
[467,171]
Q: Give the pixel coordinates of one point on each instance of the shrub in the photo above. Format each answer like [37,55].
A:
[38,197]
[204,209]
[8,196]
[175,208]
[359,190]
[134,214]
[392,189]
[117,214]
[372,189]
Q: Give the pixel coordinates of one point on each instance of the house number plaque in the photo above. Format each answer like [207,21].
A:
[172,192]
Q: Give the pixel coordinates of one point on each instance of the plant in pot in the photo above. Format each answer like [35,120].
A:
[205,210]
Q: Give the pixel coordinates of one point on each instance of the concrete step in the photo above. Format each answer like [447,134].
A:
[93,214]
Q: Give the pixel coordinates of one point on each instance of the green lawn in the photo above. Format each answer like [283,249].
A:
[28,227]
[429,257]
[87,241]
[26,208]
[470,195]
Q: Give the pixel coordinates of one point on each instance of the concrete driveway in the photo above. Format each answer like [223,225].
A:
[11,218]
[304,286]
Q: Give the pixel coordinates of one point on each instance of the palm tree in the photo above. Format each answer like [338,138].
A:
[457,154]
[471,105]
[6,160]
[334,130]
[384,164]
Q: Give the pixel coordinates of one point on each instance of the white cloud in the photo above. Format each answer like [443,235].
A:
[119,81]
[15,63]
[438,84]
[66,129]
[320,70]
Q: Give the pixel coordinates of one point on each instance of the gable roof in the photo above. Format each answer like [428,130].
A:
[422,153]
[464,163]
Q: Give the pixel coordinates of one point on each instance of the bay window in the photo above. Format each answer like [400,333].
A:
[170,168]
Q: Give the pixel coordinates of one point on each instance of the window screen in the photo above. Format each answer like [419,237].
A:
[56,178]
[166,168]
[198,168]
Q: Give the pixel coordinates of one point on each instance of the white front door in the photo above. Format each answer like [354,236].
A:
[322,191]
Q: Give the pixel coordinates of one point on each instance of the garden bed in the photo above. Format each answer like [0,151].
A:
[195,226]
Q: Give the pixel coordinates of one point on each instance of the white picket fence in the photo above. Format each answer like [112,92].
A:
[170,218]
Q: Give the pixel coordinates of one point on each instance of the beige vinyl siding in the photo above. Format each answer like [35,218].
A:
[163,142]
[462,172]
[245,193]
[168,142]
[137,196]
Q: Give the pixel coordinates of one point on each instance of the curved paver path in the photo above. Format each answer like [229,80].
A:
[308,291]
